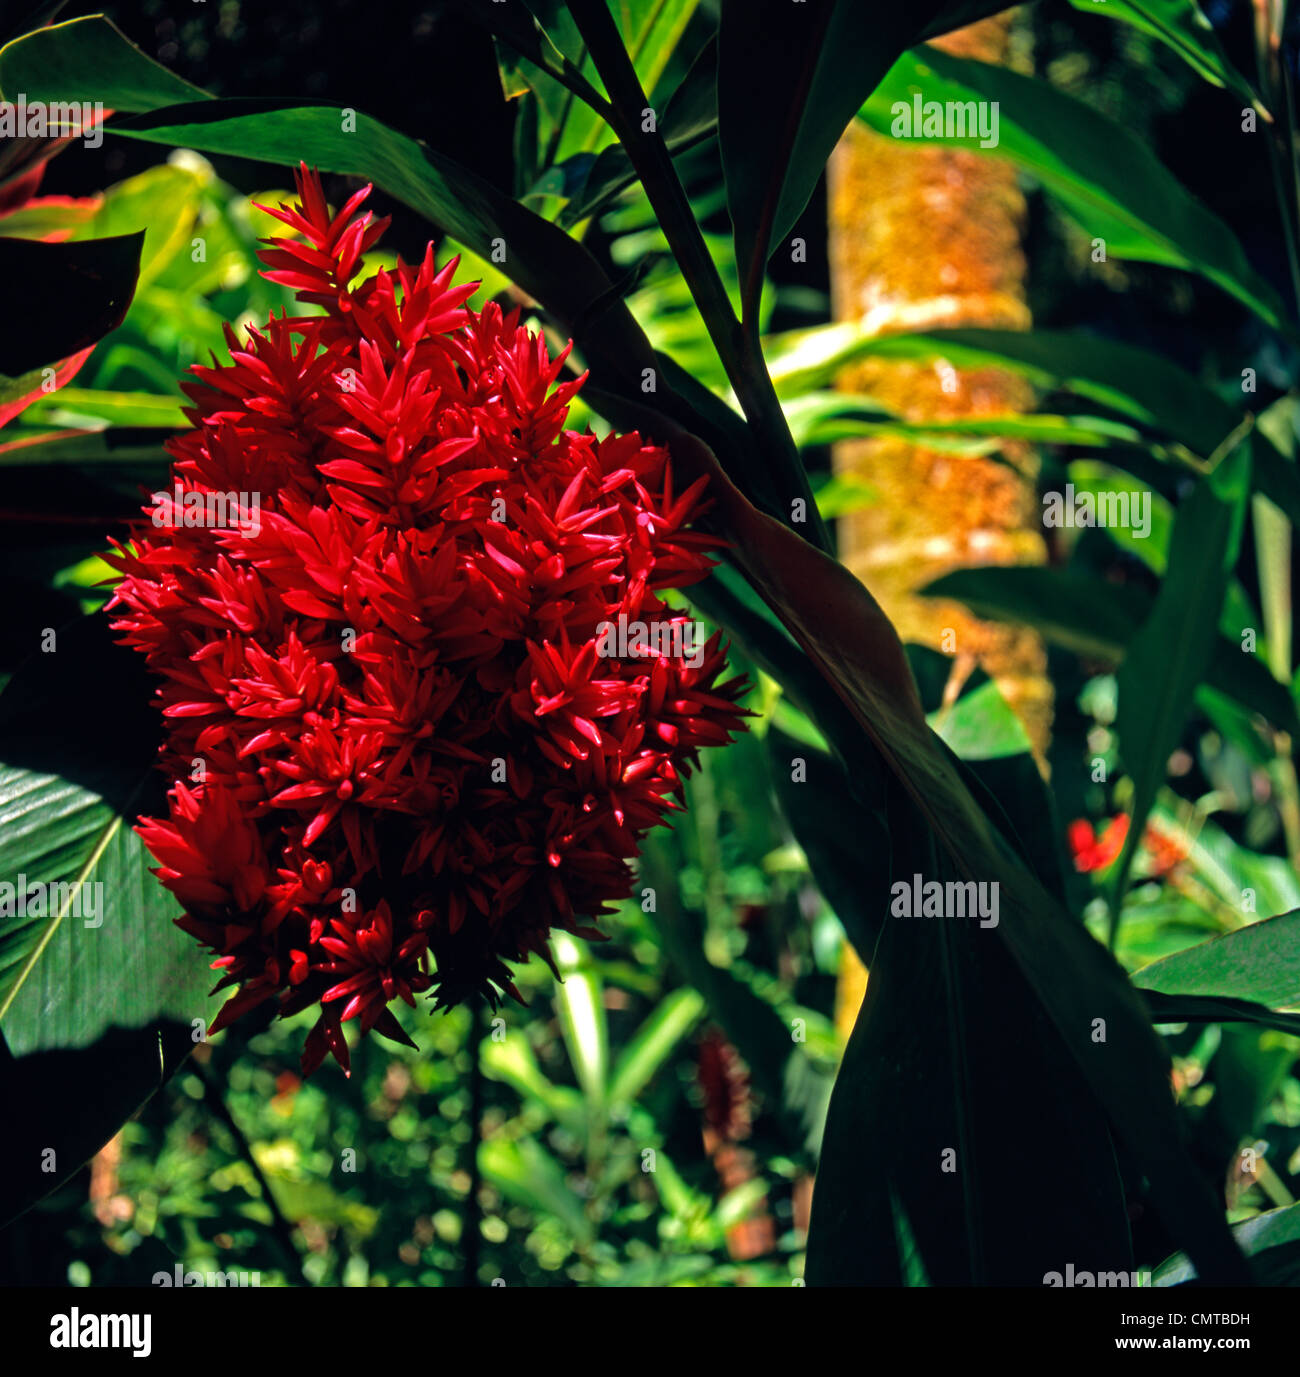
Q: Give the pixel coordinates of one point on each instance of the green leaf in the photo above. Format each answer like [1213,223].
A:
[790,78]
[582,1016]
[1181,26]
[653,1043]
[1168,657]
[1272,1239]
[140,409]
[73,62]
[102,973]
[1101,481]
[689,118]
[540,257]
[1108,179]
[1085,614]
[854,647]
[1077,611]
[1209,1009]
[92,280]
[1142,386]
[1260,963]
[164,202]
[525,1172]
[65,61]
[980,725]
[925,1112]
[844,837]
[512,1061]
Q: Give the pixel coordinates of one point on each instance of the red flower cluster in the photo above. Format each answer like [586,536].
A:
[406,750]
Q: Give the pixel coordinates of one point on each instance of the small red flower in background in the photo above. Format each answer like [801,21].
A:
[404,759]
[1096,853]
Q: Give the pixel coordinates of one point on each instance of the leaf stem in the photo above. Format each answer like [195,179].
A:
[472,1214]
[740,353]
[280,1226]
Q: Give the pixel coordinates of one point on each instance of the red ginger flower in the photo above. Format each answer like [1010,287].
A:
[407,759]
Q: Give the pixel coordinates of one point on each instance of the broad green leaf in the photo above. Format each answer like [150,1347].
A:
[1105,177]
[1101,482]
[1260,963]
[925,1112]
[1168,657]
[163,202]
[822,418]
[100,973]
[842,832]
[71,62]
[653,1043]
[1142,386]
[1211,1009]
[540,257]
[70,796]
[1079,612]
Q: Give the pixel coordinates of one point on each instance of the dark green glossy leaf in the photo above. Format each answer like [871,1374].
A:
[790,78]
[65,61]
[928,1108]
[1168,657]
[57,299]
[856,650]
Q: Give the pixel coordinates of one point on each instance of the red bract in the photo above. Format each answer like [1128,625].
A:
[407,752]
